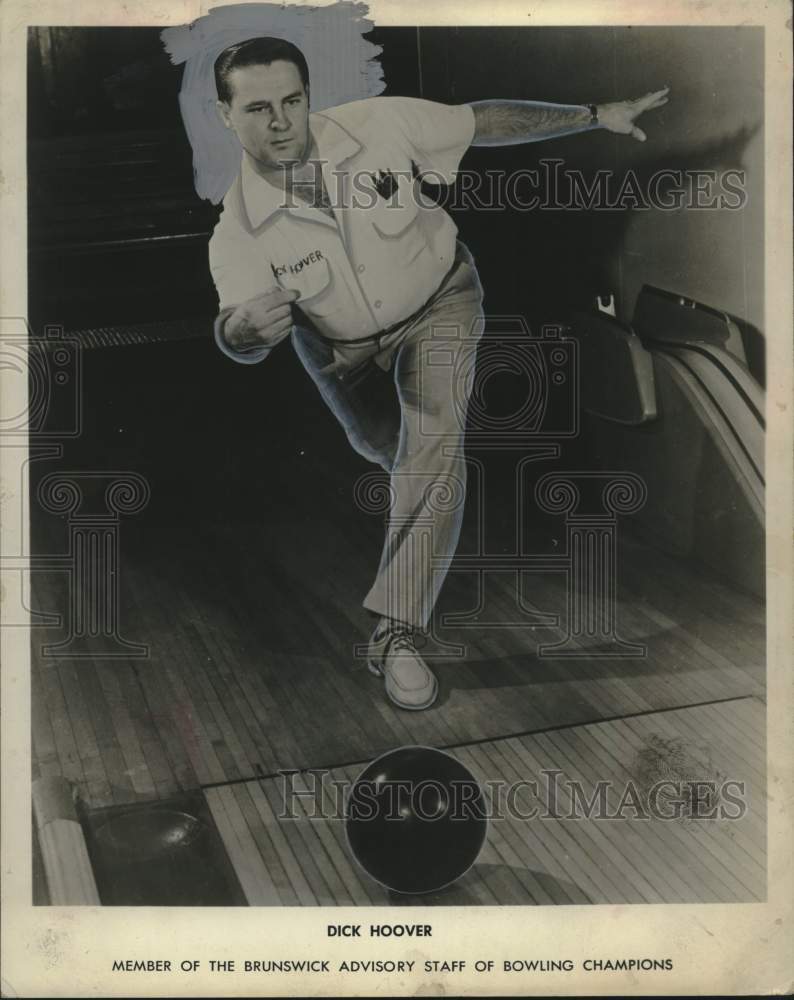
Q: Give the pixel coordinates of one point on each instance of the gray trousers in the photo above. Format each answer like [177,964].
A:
[403,403]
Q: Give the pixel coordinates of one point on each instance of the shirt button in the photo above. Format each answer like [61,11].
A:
[361,268]
[378,303]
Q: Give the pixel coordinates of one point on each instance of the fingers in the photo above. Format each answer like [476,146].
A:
[278,312]
[276,329]
[653,100]
[261,320]
[267,308]
[246,330]
[282,296]
[242,337]
[638,134]
[238,334]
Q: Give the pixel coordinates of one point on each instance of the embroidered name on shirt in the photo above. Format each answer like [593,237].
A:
[298,265]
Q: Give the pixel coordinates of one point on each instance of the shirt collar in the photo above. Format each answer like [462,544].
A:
[261,199]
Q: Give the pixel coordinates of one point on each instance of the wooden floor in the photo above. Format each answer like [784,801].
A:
[305,861]
[252,661]
[252,622]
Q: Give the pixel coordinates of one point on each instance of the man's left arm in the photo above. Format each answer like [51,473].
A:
[506,123]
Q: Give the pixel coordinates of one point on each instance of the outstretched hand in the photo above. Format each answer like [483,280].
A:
[619,117]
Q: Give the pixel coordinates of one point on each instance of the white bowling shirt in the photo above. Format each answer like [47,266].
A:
[387,249]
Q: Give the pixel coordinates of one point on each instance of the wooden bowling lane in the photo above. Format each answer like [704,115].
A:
[252,664]
[548,860]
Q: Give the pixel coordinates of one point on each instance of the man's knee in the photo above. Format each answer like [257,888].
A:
[437,469]
[442,452]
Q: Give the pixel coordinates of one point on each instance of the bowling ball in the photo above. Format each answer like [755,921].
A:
[416,819]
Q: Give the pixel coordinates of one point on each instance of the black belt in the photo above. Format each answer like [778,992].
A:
[373,338]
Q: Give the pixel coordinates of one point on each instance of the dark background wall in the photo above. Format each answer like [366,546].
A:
[712,122]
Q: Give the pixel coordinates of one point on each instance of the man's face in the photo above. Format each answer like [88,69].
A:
[269,112]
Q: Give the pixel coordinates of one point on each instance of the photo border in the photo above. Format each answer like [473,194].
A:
[729,949]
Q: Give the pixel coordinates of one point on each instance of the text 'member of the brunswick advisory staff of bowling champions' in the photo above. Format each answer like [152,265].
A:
[360,283]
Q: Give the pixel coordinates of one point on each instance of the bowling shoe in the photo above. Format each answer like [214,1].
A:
[392,655]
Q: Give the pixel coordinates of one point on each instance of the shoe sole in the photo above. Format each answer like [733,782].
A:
[376,670]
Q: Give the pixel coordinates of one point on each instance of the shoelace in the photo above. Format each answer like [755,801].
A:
[402,637]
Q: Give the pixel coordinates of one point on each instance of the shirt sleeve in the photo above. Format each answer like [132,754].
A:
[239,268]
[240,272]
[439,133]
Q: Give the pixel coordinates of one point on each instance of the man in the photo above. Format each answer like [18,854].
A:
[323,236]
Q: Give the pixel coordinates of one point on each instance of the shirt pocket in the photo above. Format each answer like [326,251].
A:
[316,286]
[396,222]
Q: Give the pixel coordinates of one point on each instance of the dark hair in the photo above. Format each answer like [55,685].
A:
[256,52]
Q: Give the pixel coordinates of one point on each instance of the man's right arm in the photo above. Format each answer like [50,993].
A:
[252,356]
[248,332]
[255,312]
